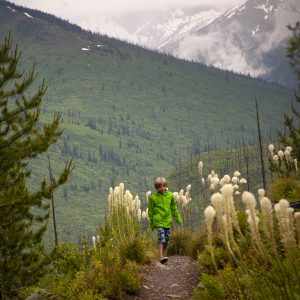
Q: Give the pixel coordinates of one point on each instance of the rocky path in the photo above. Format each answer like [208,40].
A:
[176,279]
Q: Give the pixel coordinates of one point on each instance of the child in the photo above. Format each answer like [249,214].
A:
[162,208]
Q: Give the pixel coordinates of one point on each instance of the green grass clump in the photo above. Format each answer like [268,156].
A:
[180,240]
[285,188]
[133,250]
[197,244]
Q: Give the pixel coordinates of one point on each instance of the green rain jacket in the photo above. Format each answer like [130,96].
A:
[161,209]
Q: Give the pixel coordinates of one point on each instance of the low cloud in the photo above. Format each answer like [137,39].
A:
[221,51]
[287,14]
[93,8]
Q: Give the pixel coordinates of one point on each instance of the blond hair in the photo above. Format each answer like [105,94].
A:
[159,181]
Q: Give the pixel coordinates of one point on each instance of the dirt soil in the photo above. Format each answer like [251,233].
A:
[176,279]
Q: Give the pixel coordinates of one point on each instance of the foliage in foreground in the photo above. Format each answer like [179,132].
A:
[109,269]
[23,213]
[258,261]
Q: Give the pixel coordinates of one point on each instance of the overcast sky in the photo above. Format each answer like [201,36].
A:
[78,10]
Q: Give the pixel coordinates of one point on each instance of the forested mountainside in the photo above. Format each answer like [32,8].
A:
[129,114]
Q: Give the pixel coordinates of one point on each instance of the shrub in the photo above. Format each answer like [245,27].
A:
[285,188]
[67,259]
[129,279]
[180,241]
[197,244]
[211,288]
[133,250]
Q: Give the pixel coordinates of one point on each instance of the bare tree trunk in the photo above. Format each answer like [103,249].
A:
[53,208]
[260,147]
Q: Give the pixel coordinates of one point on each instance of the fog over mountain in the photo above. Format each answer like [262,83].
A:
[247,39]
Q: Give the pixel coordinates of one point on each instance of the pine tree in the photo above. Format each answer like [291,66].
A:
[291,137]
[23,214]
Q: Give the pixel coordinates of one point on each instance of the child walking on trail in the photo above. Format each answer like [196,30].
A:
[162,208]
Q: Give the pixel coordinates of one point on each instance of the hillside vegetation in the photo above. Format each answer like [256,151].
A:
[129,114]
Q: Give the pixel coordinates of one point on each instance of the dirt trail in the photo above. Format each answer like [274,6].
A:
[176,279]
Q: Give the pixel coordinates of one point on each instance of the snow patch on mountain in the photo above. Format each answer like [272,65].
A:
[177,28]
[28,15]
[13,10]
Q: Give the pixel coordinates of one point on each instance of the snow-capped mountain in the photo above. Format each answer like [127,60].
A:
[154,29]
[249,39]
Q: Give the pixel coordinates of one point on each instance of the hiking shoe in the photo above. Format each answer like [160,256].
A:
[163,260]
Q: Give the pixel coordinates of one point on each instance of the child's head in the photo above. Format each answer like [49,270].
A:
[161,184]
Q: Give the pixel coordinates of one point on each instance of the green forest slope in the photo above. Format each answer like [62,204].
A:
[129,113]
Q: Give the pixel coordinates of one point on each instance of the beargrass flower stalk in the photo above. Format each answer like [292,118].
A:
[230,212]
[243,180]
[124,212]
[203,181]
[209,214]
[144,215]
[267,217]
[296,164]
[217,201]
[250,203]
[109,201]
[237,174]
[226,178]
[290,212]
[285,227]
[297,225]
[184,202]
[176,195]
[200,168]
[147,196]
[187,192]
[139,214]
[94,241]
[234,180]
[261,193]
[226,237]
[221,183]
[276,158]
[215,181]
[280,154]
[287,155]
[117,195]
[271,149]
[289,148]
[121,192]
[227,192]
[209,177]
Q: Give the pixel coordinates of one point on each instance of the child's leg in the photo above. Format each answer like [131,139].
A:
[160,250]
[167,238]
[163,241]
[160,240]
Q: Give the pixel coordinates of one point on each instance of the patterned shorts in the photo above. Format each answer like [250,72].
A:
[163,235]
